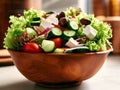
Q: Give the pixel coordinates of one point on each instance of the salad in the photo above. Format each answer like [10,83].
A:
[70,31]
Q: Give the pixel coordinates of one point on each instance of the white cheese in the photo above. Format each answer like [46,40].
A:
[90,32]
[72,43]
[52,19]
[44,24]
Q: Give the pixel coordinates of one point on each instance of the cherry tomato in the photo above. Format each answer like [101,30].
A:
[32,47]
[58,42]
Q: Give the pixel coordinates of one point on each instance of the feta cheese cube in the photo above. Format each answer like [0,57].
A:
[52,19]
[72,43]
[90,32]
[44,24]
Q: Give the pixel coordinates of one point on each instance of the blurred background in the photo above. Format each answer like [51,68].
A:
[106,10]
[58,5]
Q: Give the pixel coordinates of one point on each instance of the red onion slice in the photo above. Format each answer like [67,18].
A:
[46,30]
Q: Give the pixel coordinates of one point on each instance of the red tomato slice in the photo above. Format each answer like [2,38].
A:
[32,47]
[58,42]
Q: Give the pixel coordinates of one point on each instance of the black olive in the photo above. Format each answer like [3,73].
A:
[60,15]
[85,21]
[63,22]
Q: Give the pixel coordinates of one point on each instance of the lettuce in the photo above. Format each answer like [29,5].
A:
[15,34]
[71,12]
[32,13]
[101,40]
[104,29]
[93,46]
[15,31]
[80,32]
[11,41]
[103,35]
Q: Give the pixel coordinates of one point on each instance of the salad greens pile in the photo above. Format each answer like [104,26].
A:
[70,31]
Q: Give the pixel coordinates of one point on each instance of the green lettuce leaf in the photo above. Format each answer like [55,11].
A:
[93,46]
[14,38]
[101,40]
[32,13]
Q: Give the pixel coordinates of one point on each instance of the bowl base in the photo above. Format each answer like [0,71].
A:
[59,85]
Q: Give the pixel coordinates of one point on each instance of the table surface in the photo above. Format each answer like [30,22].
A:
[108,78]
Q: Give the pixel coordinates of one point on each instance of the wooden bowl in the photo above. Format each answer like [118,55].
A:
[58,70]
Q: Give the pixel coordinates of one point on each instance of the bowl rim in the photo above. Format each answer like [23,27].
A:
[86,53]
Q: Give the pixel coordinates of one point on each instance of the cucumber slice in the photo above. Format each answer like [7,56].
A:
[31,32]
[58,50]
[36,19]
[77,50]
[69,33]
[35,23]
[55,32]
[48,46]
[73,25]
